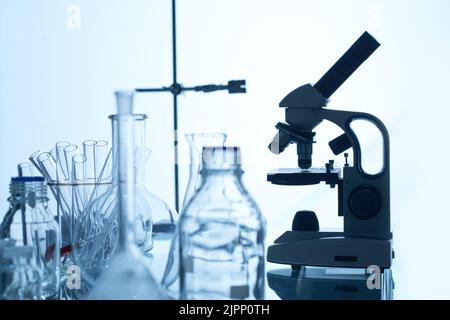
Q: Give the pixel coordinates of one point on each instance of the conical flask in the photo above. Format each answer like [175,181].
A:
[196,141]
[128,275]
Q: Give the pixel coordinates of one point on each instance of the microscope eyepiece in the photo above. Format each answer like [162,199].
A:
[359,52]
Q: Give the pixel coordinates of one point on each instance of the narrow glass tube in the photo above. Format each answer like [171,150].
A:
[78,179]
[48,165]
[34,160]
[69,152]
[61,165]
[53,154]
[25,169]
[101,155]
[126,169]
[89,153]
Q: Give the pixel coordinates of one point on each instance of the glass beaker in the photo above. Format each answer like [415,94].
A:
[128,275]
[222,234]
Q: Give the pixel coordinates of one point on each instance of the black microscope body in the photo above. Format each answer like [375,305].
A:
[363,199]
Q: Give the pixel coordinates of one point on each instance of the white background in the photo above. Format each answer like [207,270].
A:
[56,84]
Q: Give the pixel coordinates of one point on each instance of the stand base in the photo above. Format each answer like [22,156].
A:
[312,283]
[335,249]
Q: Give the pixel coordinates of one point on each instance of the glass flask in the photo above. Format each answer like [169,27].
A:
[222,234]
[23,274]
[34,225]
[128,275]
[96,234]
[196,142]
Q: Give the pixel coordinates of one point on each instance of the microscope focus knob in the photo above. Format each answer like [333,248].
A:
[305,221]
[365,202]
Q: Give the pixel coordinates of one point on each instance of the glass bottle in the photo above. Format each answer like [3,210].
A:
[196,142]
[128,275]
[25,277]
[34,225]
[222,234]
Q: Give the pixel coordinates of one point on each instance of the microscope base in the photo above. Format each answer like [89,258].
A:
[336,249]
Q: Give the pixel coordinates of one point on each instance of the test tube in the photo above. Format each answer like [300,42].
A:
[104,178]
[101,155]
[34,160]
[89,153]
[48,166]
[25,169]
[89,169]
[61,165]
[69,152]
[79,162]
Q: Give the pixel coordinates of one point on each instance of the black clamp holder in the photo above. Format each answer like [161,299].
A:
[233,86]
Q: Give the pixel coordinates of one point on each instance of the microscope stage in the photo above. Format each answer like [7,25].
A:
[302,177]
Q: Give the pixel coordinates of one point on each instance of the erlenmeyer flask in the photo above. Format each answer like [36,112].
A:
[196,141]
[128,276]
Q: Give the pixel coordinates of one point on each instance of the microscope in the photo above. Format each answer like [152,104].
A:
[363,198]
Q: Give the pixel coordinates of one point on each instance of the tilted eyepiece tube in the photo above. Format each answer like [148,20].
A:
[347,64]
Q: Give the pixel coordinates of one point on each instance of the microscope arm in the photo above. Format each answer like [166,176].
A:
[343,119]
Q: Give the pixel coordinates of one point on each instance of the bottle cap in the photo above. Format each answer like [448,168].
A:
[27,179]
[221,157]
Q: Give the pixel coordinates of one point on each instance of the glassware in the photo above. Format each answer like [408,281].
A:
[34,225]
[128,275]
[96,235]
[196,141]
[5,266]
[23,274]
[222,234]
[75,176]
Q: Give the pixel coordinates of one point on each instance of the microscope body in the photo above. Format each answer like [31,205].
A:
[363,199]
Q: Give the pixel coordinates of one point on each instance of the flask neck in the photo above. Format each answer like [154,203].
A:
[124,146]
[141,153]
